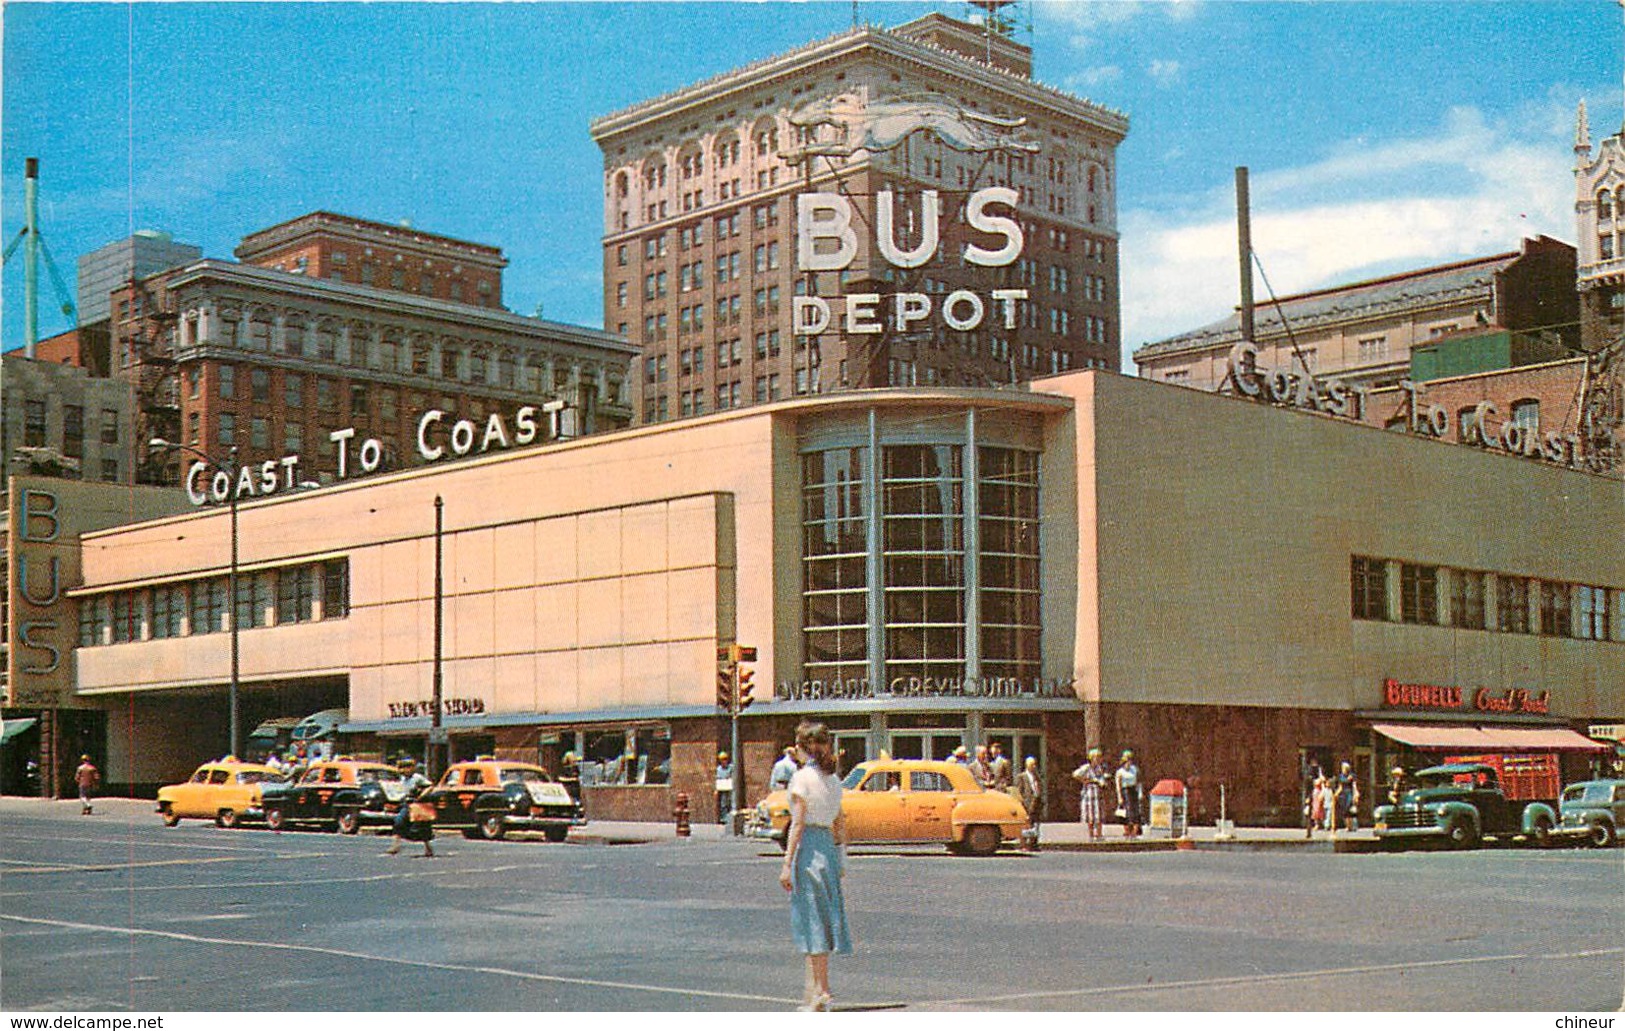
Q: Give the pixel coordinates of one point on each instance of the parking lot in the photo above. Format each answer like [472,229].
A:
[115,911]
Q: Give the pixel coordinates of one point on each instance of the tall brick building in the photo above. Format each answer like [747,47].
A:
[700,208]
[332,323]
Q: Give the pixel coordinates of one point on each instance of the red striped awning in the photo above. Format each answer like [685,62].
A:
[1464,738]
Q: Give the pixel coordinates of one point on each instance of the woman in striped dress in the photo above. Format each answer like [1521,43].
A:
[815,861]
[1094,776]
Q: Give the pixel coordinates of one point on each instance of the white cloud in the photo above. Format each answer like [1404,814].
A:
[1466,188]
[1163,73]
[1083,22]
[1093,77]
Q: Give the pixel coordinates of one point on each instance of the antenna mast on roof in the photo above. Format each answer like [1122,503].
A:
[1001,19]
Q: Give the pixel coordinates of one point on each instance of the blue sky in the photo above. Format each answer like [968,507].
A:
[1381,136]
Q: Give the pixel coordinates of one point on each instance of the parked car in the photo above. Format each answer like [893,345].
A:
[339,794]
[487,798]
[1460,804]
[892,801]
[227,792]
[1595,809]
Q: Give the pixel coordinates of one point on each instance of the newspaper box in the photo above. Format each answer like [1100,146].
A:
[1168,807]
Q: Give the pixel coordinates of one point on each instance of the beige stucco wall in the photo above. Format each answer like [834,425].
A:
[1221,536]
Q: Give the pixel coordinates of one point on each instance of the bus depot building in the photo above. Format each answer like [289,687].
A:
[1231,589]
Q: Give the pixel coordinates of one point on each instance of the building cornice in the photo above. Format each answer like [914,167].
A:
[404,237]
[396,303]
[676,103]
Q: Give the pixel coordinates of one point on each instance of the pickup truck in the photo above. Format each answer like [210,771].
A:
[1460,804]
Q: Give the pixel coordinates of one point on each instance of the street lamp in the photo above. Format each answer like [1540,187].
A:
[230,468]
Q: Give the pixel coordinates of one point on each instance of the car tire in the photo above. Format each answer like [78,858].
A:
[1603,834]
[1540,834]
[275,818]
[556,834]
[349,821]
[1461,834]
[170,819]
[227,818]
[492,827]
[981,840]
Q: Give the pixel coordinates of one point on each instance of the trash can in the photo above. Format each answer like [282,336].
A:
[1168,807]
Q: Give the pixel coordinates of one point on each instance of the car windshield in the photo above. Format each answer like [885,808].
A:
[378,775]
[521,775]
[1586,793]
[854,778]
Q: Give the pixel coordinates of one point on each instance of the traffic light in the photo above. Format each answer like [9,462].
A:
[725,687]
[745,688]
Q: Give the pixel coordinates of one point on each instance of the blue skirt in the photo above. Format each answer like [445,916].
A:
[817,910]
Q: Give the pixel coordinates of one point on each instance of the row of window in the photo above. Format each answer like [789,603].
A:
[270,597]
[73,426]
[1476,600]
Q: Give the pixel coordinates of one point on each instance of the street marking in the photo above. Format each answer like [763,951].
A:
[142,844]
[104,867]
[1215,982]
[424,964]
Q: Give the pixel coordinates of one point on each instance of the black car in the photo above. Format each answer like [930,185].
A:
[487,798]
[337,794]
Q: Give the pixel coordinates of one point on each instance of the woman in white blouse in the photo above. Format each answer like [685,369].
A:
[815,861]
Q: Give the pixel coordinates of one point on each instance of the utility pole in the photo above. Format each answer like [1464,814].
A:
[437,733]
[1244,248]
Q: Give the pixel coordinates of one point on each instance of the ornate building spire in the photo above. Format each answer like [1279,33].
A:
[1582,137]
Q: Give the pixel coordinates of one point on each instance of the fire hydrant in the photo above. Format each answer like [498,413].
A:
[680,811]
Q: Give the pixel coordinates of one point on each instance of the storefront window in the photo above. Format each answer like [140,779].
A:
[1008,492]
[923,543]
[1467,599]
[1512,604]
[835,546]
[625,755]
[1418,593]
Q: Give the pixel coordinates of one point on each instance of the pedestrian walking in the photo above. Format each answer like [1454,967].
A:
[1093,776]
[999,768]
[724,787]
[1326,802]
[88,777]
[960,756]
[815,862]
[1348,798]
[1127,779]
[1396,784]
[783,770]
[981,769]
[1030,790]
[414,821]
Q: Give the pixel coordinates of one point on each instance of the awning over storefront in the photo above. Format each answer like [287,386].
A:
[11,728]
[1457,737]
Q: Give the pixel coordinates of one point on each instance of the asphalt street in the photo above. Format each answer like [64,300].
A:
[117,912]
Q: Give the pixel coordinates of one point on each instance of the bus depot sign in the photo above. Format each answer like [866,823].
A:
[861,688]
[439,435]
[826,241]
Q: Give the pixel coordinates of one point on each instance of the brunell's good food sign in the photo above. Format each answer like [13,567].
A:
[440,434]
[1433,697]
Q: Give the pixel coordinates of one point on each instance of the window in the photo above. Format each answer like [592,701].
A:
[1467,599]
[1368,579]
[259,432]
[260,385]
[1554,609]
[293,438]
[295,594]
[336,589]
[109,426]
[1593,610]
[126,616]
[228,429]
[73,431]
[93,621]
[194,381]
[1418,594]
[1373,349]
[228,382]
[109,470]
[168,607]
[253,599]
[326,395]
[397,278]
[34,423]
[1512,604]
[358,401]
[1526,413]
[293,391]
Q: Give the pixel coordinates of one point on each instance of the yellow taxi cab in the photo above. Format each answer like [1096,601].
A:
[227,792]
[895,801]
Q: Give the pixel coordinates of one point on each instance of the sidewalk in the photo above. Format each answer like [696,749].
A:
[1054,837]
